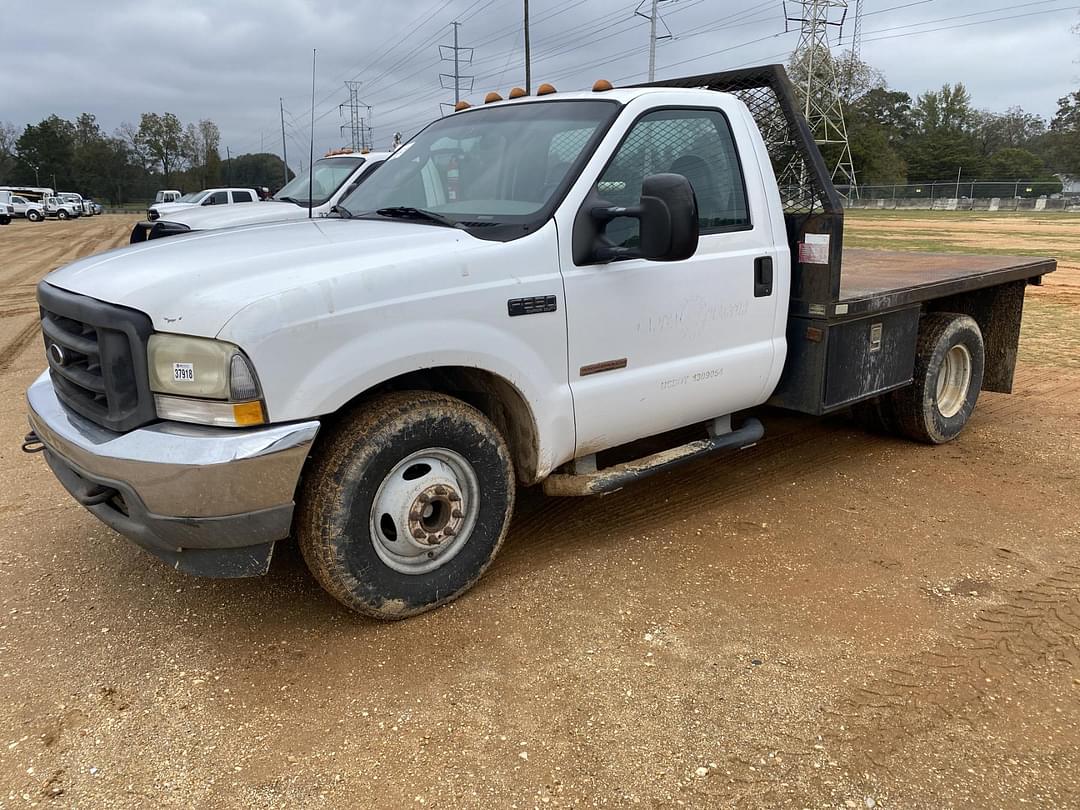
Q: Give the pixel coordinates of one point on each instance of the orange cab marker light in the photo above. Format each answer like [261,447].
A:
[602,85]
[545,89]
[248,413]
[517,92]
[461,105]
[492,96]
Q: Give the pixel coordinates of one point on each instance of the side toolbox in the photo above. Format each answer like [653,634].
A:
[832,364]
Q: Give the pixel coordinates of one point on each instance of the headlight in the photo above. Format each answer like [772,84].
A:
[206,381]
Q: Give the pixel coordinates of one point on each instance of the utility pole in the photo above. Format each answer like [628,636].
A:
[528,53]
[653,17]
[228,167]
[459,56]
[822,103]
[284,153]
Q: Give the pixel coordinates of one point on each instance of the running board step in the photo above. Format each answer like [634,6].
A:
[611,479]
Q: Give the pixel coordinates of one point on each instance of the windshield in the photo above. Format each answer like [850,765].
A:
[330,173]
[193,197]
[500,166]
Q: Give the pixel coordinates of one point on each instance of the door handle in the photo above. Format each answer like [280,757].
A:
[763,275]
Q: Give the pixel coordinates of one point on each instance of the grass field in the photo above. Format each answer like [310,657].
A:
[1052,312]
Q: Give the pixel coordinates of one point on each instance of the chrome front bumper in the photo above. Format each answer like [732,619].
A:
[210,501]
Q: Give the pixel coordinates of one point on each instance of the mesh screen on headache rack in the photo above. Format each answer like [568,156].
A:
[766,91]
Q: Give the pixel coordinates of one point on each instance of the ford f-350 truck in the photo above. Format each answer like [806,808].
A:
[518,296]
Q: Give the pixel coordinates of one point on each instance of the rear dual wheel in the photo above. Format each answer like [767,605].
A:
[948,375]
[405,504]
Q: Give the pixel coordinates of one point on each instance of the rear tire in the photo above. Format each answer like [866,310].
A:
[949,364]
[34,216]
[405,503]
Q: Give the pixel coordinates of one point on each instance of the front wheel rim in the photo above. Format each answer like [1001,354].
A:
[954,381]
[424,511]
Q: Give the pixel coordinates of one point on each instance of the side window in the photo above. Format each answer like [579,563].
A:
[217,198]
[241,196]
[697,144]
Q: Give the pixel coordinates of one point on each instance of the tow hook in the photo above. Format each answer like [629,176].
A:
[32,444]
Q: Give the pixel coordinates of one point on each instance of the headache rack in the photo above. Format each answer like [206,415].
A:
[813,210]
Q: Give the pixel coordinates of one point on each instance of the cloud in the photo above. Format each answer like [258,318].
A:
[231,62]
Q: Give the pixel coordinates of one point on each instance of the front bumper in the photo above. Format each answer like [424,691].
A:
[209,501]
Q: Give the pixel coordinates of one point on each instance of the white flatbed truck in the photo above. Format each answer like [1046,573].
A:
[520,294]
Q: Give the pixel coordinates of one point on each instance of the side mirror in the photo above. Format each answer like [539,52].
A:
[668,217]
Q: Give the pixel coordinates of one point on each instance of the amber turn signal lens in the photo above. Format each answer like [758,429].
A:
[248,413]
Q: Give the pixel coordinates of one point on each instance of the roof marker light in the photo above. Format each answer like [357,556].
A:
[602,85]
[492,96]
[545,89]
[517,92]
[461,105]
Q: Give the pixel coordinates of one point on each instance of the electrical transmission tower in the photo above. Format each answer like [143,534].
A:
[824,80]
[653,17]
[459,55]
[359,129]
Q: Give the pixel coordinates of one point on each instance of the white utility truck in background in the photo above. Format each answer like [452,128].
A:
[520,295]
[59,208]
[210,196]
[7,208]
[336,176]
[22,207]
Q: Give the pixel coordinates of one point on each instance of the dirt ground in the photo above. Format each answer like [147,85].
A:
[830,619]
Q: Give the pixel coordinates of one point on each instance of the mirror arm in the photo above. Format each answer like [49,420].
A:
[606,213]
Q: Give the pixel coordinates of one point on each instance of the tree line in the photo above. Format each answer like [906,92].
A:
[897,139]
[130,164]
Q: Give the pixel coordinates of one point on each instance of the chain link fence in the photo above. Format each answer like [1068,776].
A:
[967,195]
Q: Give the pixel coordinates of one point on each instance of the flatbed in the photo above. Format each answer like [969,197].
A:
[880,280]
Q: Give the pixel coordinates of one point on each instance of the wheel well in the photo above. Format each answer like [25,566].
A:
[492,395]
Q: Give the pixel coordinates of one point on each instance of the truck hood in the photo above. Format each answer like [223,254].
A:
[168,208]
[192,284]
[212,217]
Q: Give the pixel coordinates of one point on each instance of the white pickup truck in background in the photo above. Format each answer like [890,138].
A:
[336,176]
[207,197]
[574,290]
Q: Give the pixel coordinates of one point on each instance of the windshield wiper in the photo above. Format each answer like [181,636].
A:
[292,200]
[408,212]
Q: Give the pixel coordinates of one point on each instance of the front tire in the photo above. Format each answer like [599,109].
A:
[405,504]
[949,363]
[34,216]
[61,214]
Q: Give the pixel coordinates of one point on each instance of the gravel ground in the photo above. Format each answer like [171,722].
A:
[830,619]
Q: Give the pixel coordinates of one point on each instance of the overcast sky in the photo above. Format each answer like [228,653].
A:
[230,62]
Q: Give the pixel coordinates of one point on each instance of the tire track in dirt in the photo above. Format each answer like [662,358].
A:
[1036,629]
[10,352]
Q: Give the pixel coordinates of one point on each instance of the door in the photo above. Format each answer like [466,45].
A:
[659,345]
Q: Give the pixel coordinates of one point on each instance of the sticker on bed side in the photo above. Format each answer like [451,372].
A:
[814,249]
